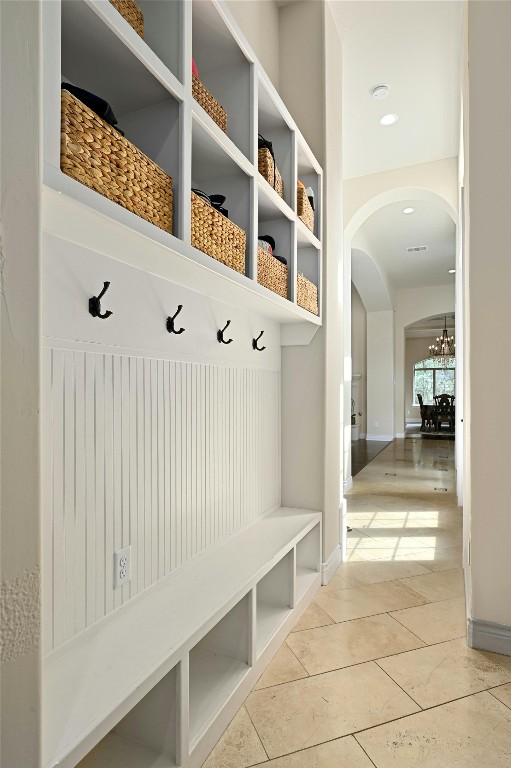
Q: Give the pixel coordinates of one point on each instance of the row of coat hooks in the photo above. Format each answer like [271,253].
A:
[95,311]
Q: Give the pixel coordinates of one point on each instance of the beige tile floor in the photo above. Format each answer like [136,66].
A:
[376,673]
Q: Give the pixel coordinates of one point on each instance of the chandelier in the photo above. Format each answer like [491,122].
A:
[445,348]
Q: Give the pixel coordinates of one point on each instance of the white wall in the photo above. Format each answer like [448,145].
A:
[380,375]
[359,354]
[313,439]
[20,522]
[488,278]
[259,22]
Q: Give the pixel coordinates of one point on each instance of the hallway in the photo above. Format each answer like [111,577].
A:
[377,671]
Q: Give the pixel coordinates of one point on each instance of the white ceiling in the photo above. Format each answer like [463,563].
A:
[432,326]
[389,232]
[414,46]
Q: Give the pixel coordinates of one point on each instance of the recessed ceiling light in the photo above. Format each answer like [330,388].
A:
[408,210]
[452,271]
[380,91]
[389,119]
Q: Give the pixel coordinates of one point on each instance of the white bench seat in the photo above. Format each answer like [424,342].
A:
[91,682]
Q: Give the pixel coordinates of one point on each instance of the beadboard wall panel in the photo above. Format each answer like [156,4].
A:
[168,443]
[168,457]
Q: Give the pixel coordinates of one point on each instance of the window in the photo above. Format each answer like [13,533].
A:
[430,379]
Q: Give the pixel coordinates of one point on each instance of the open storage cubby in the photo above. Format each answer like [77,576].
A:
[218,664]
[147,81]
[224,70]
[193,647]
[163,26]
[147,736]
[307,561]
[215,172]
[308,264]
[93,57]
[273,127]
[274,601]
[272,222]
[309,176]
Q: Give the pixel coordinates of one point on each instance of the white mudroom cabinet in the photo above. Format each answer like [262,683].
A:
[171,572]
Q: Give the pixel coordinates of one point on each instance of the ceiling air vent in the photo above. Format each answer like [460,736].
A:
[417,249]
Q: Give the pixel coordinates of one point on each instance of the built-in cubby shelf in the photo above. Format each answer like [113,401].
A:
[307,561]
[154,680]
[218,664]
[225,71]
[147,81]
[100,52]
[274,601]
[147,736]
[116,751]
[198,642]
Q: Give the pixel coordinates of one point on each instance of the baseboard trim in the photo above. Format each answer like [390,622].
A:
[383,438]
[329,568]
[400,434]
[489,636]
[347,484]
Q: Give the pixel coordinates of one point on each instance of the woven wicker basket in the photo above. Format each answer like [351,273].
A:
[304,208]
[215,234]
[271,272]
[132,13]
[266,168]
[96,155]
[208,102]
[307,294]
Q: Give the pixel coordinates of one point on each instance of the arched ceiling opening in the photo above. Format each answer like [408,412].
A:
[369,282]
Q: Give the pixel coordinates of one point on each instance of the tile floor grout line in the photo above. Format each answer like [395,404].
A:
[414,633]
[311,675]
[364,750]
[255,729]
[313,746]
[296,657]
[413,714]
[495,687]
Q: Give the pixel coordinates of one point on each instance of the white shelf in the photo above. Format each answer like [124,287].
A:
[134,241]
[150,702]
[213,149]
[307,561]
[92,681]
[304,579]
[213,679]
[148,84]
[225,70]
[116,751]
[271,205]
[305,237]
[103,54]
[269,620]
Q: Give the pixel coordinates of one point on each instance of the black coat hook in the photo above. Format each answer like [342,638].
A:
[95,304]
[254,343]
[170,322]
[220,334]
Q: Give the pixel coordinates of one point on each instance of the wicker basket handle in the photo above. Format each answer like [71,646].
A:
[263,143]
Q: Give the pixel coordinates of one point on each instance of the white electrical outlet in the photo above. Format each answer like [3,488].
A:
[376,424]
[122,562]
